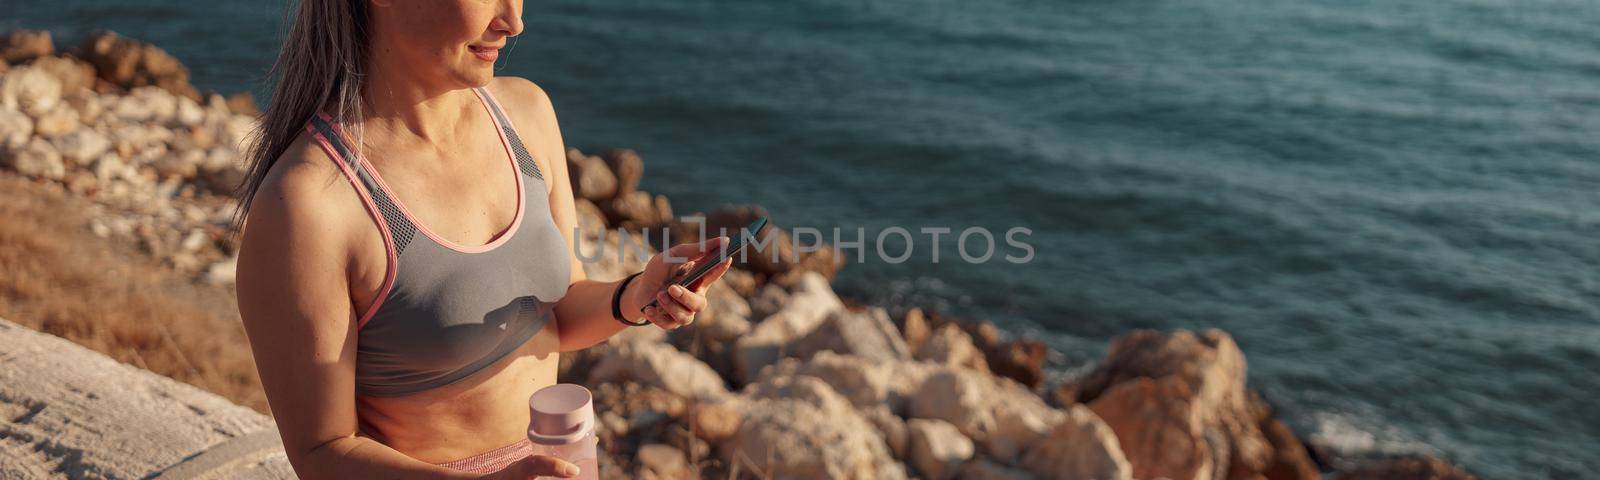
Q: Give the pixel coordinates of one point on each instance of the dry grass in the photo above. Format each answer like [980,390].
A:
[58,277]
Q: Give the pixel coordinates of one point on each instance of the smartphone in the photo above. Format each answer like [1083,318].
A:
[735,244]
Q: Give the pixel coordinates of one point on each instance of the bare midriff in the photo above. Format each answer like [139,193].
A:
[482,412]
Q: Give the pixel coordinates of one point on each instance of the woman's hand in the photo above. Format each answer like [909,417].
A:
[533,467]
[676,306]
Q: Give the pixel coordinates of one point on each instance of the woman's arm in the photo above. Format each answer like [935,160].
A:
[584,314]
[294,299]
[293,289]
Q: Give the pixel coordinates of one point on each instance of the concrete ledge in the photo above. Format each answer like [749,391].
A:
[69,412]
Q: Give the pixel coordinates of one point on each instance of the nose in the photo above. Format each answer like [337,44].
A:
[509,21]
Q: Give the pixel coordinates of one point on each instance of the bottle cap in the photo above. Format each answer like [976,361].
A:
[560,414]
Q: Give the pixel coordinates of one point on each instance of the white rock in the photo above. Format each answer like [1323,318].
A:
[88,105]
[891,427]
[217,105]
[38,158]
[30,90]
[194,240]
[937,448]
[768,301]
[222,272]
[866,383]
[950,346]
[133,109]
[74,413]
[810,301]
[82,146]
[811,390]
[999,414]
[99,227]
[109,167]
[1080,446]
[141,136]
[185,164]
[15,128]
[726,317]
[660,365]
[662,461]
[868,333]
[800,429]
[56,122]
[163,104]
[189,113]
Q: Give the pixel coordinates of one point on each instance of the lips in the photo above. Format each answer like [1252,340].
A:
[487,54]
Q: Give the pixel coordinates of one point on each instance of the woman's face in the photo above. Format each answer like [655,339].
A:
[451,43]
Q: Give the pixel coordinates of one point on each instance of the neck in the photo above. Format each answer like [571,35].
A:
[396,100]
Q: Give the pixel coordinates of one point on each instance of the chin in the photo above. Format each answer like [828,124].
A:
[477,77]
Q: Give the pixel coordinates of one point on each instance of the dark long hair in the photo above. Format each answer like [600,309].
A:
[321,65]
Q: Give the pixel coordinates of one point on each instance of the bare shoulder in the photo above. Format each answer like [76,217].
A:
[302,197]
[527,104]
[520,93]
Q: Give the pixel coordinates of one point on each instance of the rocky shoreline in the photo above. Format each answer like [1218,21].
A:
[779,378]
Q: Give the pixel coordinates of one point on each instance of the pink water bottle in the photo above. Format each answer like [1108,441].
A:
[562,426]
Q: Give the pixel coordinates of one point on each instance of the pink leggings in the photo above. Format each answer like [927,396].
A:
[493,460]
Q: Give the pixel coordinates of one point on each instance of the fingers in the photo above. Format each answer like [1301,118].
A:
[538,466]
[692,302]
[700,286]
[675,307]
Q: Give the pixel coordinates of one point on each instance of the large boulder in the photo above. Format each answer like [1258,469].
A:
[712,335]
[659,365]
[866,333]
[23,45]
[1021,360]
[1000,415]
[637,209]
[1155,421]
[1080,446]
[73,413]
[130,63]
[867,383]
[949,346]
[937,449]
[627,166]
[890,426]
[591,179]
[727,315]
[807,304]
[799,428]
[1179,403]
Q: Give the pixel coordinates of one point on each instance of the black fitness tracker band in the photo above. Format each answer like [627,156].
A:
[616,302]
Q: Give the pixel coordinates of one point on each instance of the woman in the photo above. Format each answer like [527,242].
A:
[406,272]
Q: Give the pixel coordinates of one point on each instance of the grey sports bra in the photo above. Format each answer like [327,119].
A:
[445,311]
